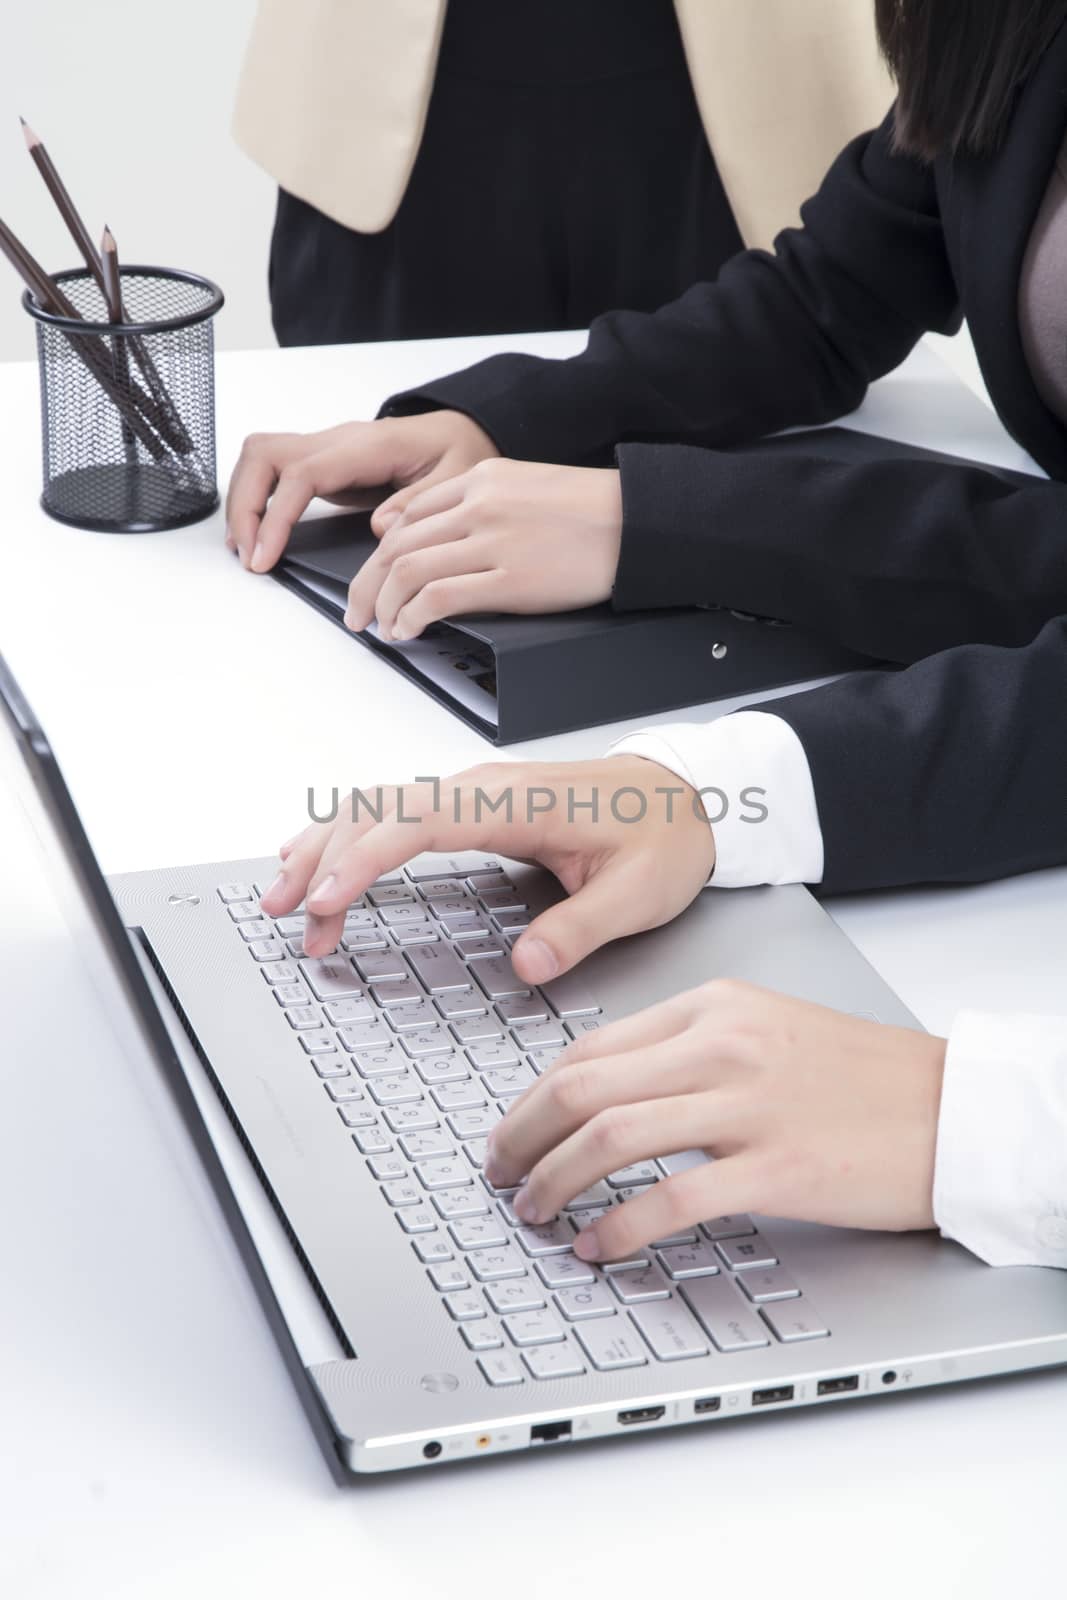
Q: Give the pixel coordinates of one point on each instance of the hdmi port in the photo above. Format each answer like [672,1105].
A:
[642,1414]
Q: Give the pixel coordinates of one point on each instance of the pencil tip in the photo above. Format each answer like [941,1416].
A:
[28,134]
[107,241]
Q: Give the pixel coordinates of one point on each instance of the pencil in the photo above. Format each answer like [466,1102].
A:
[112,287]
[51,297]
[162,412]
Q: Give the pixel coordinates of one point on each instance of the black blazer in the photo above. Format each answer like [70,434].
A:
[950,770]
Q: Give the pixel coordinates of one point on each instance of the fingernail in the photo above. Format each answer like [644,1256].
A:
[400,633]
[324,891]
[523,1206]
[312,930]
[587,1245]
[386,520]
[276,887]
[256,555]
[539,961]
[493,1173]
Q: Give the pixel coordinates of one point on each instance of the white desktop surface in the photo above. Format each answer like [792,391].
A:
[152,1445]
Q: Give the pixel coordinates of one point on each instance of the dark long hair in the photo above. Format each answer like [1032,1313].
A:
[959,65]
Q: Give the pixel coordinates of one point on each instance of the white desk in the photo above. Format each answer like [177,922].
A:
[152,1444]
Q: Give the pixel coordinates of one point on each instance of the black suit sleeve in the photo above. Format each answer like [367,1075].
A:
[951,771]
[777,340]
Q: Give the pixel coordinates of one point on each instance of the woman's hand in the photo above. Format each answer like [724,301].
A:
[621,875]
[503,536]
[278,474]
[811,1114]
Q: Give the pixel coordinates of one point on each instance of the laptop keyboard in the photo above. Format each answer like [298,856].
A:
[422,1035]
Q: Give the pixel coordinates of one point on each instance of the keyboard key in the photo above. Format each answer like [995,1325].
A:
[330,1066]
[753,1251]
[794,1320]
[449,1278]
[727,1227]
[416,1146]
[387,1169]
[406,916]
[477,1233]
[493,1053]
[508,899]
[354,1115]
[458,1096]
[438,968]
[547,1239]
[375,967]
[363,1035]
[597,1195]
[332,978]
[281,972]
[267,950]
[411,1119]
[523,1008]
[416,1219]
[681,1161]
[229,892]
[497,977]
[433,888]
[722,1315]
[464,1201]
[501,1261]
[372,1140]
[475,1123]
[339,1011]
[585,1217]
[671,1333]
[580,1301]
[581,1026]
[553,1361]
[465,926]
[457,1005]
[463,864]
[301,1017]
[395,1089]
[317,1043]
[443,1069]
[511,923]
[689,1261]
[539,1035]
[638,1284]
[442,1172]
[562,1272]
[475,1150]
[379,1063]
[477,1029]
[611,1343]
[679,1236]
[290,927]
[428,1041]
[638,1172]
[501,1370]
[344,1089]
[432,1248]
[515,1294]
[509,1081]
[465,1306]
[414,1016]
[532,1327]
[475,949]
[632,1191]
[403,1193]
[244,911]
[363,939]
[569,996]
[768,1283]
[457,904]
[540,1060]
[481,1335]
[413,933]
[390,895]
[397,992]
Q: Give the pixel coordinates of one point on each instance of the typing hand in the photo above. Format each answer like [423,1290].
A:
[810,1113]
[278,474]
[503,536]
[621,876]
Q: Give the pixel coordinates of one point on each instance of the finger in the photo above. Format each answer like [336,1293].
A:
[608,906]
[263,455]
[390,510]
[641,1031]
[410,574]
[299,481]
[546,1131]
[448,597]
[425,499]
[285,891]
[721,1188]
[365,586]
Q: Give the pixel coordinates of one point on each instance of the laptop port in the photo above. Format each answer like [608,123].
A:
[549,1432]
[772,1397]
[837,1385]
[642,1414]
[710,1402]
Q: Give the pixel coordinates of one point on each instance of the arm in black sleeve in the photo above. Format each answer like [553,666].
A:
[949,772]
[895,559]
[776,340]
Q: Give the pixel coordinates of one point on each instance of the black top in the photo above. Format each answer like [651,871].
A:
[559,41]
[950,770]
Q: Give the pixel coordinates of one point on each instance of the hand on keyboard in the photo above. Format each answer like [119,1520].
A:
[814,1114]
[625,837]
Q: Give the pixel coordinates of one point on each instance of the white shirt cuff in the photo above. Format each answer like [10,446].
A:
[755,784]
[1000,1176]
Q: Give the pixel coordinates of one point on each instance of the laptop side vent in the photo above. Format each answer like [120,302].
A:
[202,1057]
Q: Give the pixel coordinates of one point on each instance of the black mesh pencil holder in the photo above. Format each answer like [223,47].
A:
[128,409]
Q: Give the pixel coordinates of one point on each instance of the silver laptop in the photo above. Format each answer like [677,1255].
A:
[341,1107]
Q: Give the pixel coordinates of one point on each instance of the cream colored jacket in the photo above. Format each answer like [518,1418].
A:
[333,96]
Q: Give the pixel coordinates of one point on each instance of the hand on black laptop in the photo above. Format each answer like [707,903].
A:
[811,1114]
[621,875]
[279,474]
[516,536]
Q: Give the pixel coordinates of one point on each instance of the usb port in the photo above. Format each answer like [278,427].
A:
[837,1385]
[549,1432]
[710,1402]
[642,1414]
[772,1397]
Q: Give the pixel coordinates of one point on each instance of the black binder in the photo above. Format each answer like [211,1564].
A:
[525,677]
